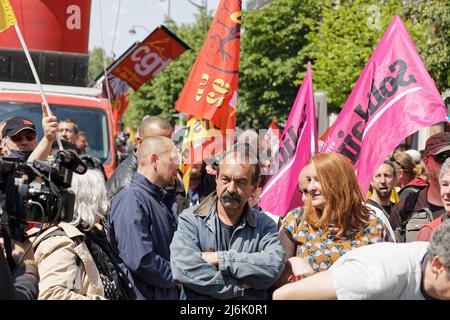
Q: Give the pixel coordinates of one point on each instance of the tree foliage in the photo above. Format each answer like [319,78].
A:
[435,51]
[95,66]
[342,43]
[158,97]
[272,60]
[338,36]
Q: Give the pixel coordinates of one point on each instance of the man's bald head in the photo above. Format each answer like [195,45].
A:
[158,160]
[153,144]
[154,126]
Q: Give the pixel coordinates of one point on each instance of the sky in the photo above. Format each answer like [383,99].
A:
[148,14]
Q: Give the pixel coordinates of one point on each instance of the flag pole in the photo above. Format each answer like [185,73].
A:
[313,114]
[36,77]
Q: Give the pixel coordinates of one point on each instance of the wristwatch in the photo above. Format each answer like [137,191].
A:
[29,262]
[31,268]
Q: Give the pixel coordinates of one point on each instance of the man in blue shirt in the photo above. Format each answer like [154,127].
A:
[141,224]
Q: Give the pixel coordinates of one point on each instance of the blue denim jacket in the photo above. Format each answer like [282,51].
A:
[255,258]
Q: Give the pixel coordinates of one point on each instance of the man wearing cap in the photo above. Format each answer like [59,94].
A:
[19,138]
[437,150]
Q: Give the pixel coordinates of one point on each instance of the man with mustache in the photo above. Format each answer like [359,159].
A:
[224,249]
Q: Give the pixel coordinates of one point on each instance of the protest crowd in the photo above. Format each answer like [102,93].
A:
[258,216]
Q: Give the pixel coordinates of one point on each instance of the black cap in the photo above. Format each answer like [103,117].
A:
[16,124]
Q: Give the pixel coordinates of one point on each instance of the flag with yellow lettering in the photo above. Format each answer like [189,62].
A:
[7,17]
[200,142]
[209,95]
[210,92]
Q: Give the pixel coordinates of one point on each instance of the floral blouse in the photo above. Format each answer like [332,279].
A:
[321,248]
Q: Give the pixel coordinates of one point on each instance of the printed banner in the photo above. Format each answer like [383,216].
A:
[210,92]
[298,142]
[151,56]
[393,98]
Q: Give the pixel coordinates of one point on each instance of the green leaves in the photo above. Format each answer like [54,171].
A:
[158,97]
[278,40]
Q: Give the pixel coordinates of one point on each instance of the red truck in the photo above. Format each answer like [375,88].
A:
[80,104]
[57,34]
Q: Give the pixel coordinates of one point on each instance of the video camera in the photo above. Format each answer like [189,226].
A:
[37,191]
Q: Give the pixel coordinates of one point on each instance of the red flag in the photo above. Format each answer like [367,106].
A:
[272,137]
[149,58]
[210,92]
[393,98]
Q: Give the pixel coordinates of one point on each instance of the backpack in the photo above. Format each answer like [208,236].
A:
[414,219]
[415,222]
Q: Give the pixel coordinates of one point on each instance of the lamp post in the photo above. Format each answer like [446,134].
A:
[168,7]
[202,7]
[133,29]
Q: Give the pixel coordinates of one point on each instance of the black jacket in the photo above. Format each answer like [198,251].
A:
[122,176]
[207,186]
[23,287]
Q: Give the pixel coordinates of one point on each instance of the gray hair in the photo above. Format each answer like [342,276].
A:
[245,154]
[90,198]
[439,245]
[444,169]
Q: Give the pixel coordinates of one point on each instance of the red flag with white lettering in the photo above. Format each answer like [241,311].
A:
[151,56]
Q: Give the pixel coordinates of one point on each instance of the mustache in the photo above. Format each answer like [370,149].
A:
[230,196]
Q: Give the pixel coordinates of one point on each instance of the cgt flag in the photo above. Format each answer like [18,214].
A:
[297,144]
[150,57]
[210,92]
[7,17]
[393,98]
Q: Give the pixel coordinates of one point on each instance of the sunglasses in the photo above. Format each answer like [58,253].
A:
[441,157]
[30,136]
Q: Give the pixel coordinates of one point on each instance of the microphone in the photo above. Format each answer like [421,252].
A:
[71,161]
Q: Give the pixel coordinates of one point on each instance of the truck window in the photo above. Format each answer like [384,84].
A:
[93,121]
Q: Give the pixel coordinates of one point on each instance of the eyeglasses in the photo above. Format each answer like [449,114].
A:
[69,130]
[29,136]
[441,157]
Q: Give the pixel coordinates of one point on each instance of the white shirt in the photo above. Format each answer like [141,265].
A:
[385,271]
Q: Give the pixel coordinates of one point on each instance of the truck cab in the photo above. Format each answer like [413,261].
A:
[81,104]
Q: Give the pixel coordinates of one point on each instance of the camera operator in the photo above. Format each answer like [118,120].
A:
[24,285]
[19,140]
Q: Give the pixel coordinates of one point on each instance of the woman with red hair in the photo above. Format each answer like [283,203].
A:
[333,221]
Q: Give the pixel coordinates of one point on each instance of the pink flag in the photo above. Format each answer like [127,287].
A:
[297,143]
[393,98]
